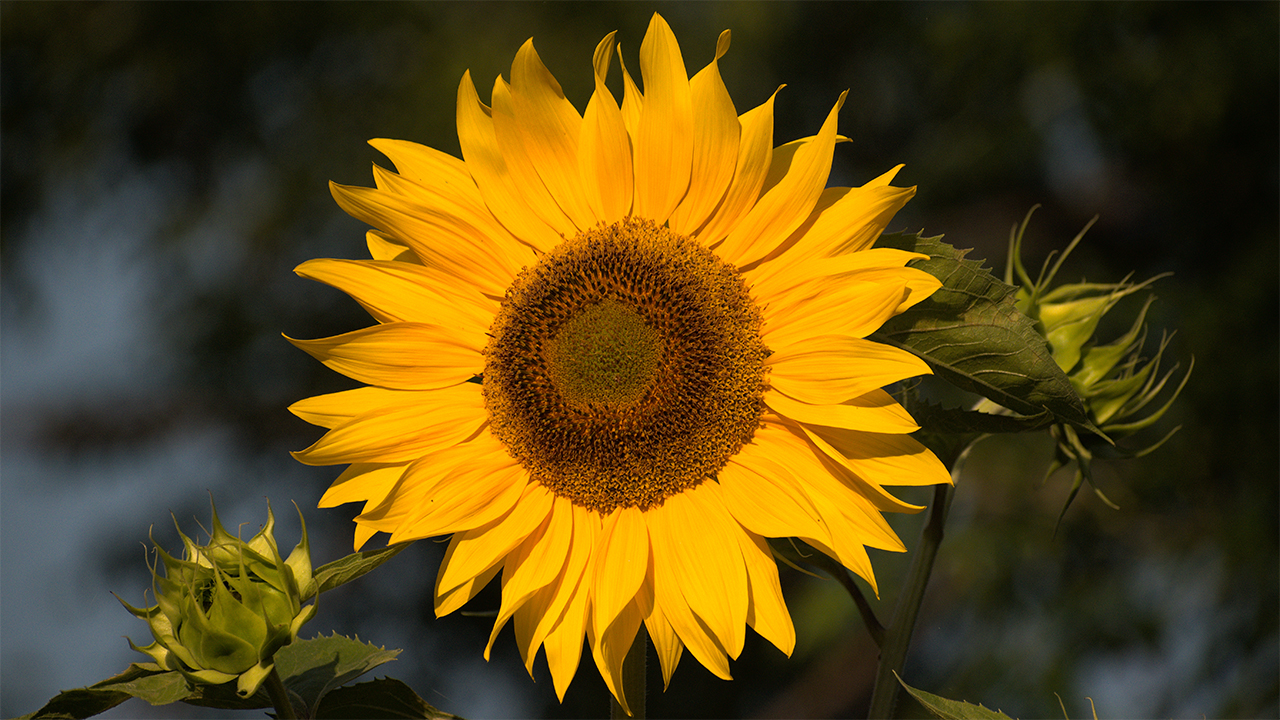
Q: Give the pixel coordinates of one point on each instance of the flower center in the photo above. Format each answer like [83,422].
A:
[605,355]
[625,366]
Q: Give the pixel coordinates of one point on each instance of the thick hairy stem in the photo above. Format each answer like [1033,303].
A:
[279,696]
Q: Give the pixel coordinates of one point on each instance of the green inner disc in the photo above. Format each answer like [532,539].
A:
[604,355]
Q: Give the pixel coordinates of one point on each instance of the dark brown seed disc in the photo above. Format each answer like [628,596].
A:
[625,366]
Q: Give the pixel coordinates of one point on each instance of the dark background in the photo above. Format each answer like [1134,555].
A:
[165,168]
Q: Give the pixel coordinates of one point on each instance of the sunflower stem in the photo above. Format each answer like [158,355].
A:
[633,680]
[893,652]
[874,628]
[279,696]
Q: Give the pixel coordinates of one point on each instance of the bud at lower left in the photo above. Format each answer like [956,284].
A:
[226,607]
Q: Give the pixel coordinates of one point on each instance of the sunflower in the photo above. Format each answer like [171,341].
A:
[615,352]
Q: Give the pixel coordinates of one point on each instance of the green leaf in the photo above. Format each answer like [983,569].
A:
[951,709]
[382,698]
[313,668]
[938,419]
[157,689]
[973,336]
[344,570]
[146,681]
[76,704]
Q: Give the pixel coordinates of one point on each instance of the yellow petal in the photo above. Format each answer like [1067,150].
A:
[917,284]
[575,578]
[436,238]
[383,247]
[854,309]
[885,459]
[473,551]
[664,146]
[666,643]
[759,498]
[844,540]
[871,491]
[848,515]
[604,150]
[715,145]
[755,150]
[848,220]
[691,534]
[632,100]
[524,174]
[463,206]
[435,419]
[875,411]
[334,409]
[524,621]
[362,482]
[791,275]
[610,649]
[670,603]
[768,611]
[363,535]
[564,642]
[620,566]
[427,165]
[402,356]
[534,564]
[786,205]
[468,497]
[401,292]
[479,142]
[781,160]
[831,368]
[885,202]
[778,463]
[853,556]
[417,487]
[454,599]
[366,482]
[549,128]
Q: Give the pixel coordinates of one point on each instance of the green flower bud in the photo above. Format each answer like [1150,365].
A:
[1115,381]
[226,607]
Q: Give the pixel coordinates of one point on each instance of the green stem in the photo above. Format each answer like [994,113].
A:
[893,652]
[842,575]
[633,680]
[279,696]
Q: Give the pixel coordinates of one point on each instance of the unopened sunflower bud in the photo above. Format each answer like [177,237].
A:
[1115,381]
[226,607]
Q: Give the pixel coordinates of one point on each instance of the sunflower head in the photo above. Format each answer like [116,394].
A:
[616,349]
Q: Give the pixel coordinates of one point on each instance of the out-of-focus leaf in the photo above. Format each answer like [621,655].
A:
[382,698]
[972,335]
[952,709]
